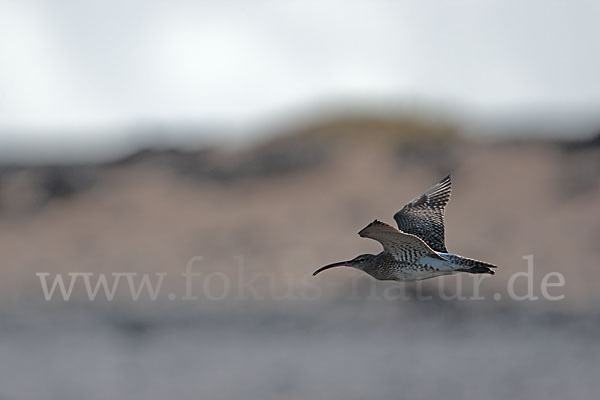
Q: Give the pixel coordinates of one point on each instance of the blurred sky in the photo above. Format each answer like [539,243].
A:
[70,66]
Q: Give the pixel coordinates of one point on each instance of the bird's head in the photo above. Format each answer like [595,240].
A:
[359,262]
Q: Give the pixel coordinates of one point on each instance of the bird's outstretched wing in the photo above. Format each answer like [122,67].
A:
[403,246]
[424,215]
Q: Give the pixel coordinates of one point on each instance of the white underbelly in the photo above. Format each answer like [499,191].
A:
[437,264]
[420,275]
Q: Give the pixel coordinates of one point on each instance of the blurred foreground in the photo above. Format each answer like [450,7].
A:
[277,211]
[351,351]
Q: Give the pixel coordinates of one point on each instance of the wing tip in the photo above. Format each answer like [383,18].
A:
[363,232]
[445,182]
[439,194]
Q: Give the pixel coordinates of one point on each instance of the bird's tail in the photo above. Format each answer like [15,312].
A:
[465,264]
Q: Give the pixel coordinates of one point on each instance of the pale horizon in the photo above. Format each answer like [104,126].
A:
[92,73]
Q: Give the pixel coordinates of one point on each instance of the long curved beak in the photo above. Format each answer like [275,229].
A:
[337,264]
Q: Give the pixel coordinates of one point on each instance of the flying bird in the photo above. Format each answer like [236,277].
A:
[417,249]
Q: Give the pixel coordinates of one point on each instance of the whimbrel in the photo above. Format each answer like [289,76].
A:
[416,250]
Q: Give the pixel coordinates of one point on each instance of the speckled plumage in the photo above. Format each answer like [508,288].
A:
[387,268]
[416,250]
[424,215]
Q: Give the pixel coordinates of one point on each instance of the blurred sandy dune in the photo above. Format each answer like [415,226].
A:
[287,206]
[296,201]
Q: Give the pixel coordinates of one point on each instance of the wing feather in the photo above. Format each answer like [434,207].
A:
[402,246]
[424,215]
